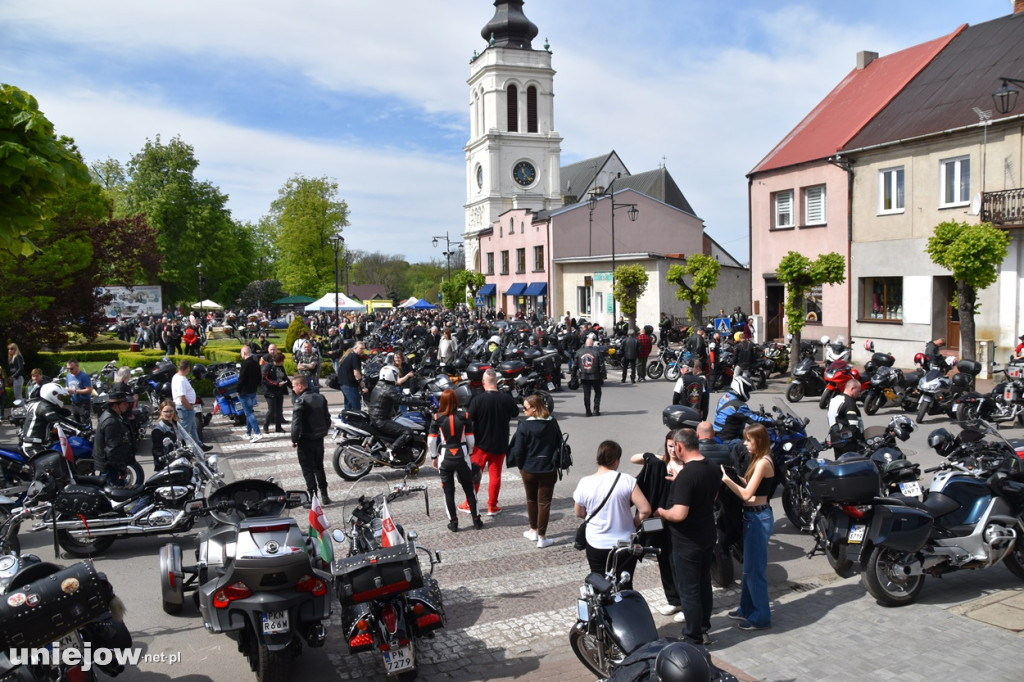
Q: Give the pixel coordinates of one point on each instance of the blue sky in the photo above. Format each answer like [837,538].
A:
[373,92]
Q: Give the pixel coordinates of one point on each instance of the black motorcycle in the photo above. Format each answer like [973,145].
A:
[808,379]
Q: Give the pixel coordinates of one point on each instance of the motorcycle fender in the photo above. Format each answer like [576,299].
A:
[630,621]
[302,609]
[904,529]
[353,431]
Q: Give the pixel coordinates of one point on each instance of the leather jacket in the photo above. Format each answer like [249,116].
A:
[113,442]
[311,418]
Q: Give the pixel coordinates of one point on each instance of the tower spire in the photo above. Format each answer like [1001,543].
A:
[509,27]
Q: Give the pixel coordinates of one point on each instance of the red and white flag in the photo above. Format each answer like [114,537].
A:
[65,445]
[390,536]
[318,525]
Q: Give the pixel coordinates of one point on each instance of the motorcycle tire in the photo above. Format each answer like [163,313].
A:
[884,584]
[826,396]
[843,567]
[795,393]
[654,338]
[81,548]
[172,594]
[967,414]
[723,573]
[655,370]
[14,546]
[872,401]
[348,465]
[586,647]
[799,507]
[922,411]
[672,372]
[272,666]
[762,380]
[87,467]
[1015,559]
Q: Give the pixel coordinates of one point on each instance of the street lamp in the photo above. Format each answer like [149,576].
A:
[1005,98]
[199,267]
[633,212]
[447,253]
[338,242]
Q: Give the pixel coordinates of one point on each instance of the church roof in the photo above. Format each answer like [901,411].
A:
[657,184]
[578,178]
[509,27]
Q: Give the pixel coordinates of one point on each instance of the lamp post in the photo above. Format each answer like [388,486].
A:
[633,212]
[1005,98]
[338,242]
[199,267]
[448,253]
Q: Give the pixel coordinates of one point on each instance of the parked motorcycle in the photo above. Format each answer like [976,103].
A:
[939,392]
[1005,403]
[364,446]
[808,379]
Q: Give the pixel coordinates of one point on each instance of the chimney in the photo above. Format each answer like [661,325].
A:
[864,57]
[1018,6]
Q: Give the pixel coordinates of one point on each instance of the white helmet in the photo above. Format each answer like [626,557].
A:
[825,340]
[495,340]
[389,374]
[741,386]
[52,393]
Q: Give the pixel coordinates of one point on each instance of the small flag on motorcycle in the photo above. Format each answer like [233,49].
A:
[65,446]
[318,525]
[390,537]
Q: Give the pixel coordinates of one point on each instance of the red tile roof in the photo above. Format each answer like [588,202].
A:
[851,105]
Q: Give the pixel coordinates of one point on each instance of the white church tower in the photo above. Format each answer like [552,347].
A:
[513,153]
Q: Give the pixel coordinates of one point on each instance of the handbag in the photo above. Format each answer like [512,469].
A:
[580,543]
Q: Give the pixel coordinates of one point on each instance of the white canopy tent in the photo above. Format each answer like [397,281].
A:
[408,303]
[207,305]
[326,303]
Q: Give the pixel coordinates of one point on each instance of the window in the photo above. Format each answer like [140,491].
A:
[513,109]
[490,263]
[890,190]
[504,262]
[531,109]
[783,203]
[955,181]
[583,301]
[881,299]
[520,260]
[511,226]
[538,259]
[814,205]
[812,305]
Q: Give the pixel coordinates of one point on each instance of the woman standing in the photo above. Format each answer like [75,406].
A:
[605,498]
[534,449]
[275,385]
[758,486]
[165,428]
[447,348]
[16,370]
[450,440]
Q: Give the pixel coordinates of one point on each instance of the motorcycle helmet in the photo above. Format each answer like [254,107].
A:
[52,393]
[389,374]
[741,386]
[825,339]
[869,346]
[496,340]
[939,440]
[648,329]
[902,427]
[738,336]
[682,662]
[920,359]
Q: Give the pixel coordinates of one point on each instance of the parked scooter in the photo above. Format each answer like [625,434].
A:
[808,379]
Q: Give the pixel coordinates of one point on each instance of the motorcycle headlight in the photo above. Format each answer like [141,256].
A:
[211,462]
[932,385]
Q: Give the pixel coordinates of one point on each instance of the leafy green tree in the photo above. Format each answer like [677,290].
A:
[35,169]
[260,293]
[295,329]
[630,285]
[972,254]
[799,273]
[422,280]
[306,214]
[703,271]
[386,270]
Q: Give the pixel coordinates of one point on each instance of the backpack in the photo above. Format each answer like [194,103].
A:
[563,458]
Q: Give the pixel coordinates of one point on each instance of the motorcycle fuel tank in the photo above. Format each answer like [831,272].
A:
[631,621]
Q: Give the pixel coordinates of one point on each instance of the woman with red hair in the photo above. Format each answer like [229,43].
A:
[450,442]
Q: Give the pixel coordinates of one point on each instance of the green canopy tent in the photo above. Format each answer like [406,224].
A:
[294,300]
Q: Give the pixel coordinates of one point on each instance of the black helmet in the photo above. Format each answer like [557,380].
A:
[939,439]
[682,662]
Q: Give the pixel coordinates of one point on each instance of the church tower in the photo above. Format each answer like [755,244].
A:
[513,153]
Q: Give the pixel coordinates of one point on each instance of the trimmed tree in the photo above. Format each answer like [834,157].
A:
[800,274]
[972,254]
[703,271]
[630,285]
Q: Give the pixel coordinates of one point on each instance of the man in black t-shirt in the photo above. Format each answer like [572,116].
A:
[691,520]
[490,412]
[350,377]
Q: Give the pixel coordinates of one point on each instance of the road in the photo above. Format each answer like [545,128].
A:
[509,604]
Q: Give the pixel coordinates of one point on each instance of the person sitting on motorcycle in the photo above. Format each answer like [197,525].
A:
[846,428]
[494,348]
[1018,352]
[112,448]
[384,401]
[164,429]
[732,412]
[40,416]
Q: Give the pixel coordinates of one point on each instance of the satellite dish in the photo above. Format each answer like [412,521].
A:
[976,204]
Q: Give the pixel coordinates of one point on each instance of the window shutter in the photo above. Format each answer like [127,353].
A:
[815,206]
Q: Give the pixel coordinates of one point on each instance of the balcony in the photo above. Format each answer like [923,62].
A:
[1003,209]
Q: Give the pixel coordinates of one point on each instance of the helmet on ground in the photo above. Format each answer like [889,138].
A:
[52,393]
[389,374]
[682,662]
[741,386]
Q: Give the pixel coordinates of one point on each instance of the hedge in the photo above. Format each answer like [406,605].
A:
[52,363]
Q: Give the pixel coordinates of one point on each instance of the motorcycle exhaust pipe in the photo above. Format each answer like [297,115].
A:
[77,529]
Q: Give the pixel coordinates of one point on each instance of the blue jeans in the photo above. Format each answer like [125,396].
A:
[187,419]
[353,401]
[757,528]
[248,405]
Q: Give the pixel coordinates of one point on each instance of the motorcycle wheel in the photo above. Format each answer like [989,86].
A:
[843,567]
[586,647]
[87,467]
[272,666]
[795,392]
[82,548]
[872,401]
[1015,559]
[967,414]
[14,546]
[922,410]
[826,396]
[549,402]
[723,573]
[349,463]
[672,372]
[655,370]
[888,587]
[762,380]
[798,506]
[654,339]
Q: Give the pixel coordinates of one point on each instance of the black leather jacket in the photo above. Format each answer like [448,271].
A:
[40,416]
[385,399]
[113,442]
[311,418]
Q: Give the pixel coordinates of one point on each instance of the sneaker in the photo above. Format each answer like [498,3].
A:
[493,511]
[736,615]
[669,610]
[544,542]
[679,618]
[707,640]
[530,535]
[257,437]
[478,523]
[453,526]
[747,625]
[464,507]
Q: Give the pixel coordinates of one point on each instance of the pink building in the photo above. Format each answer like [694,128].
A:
[514,257]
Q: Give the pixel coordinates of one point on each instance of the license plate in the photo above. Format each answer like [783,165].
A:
[551,386]
[582,611]
[856,534]
[911,489]
[398,660]
[275,622]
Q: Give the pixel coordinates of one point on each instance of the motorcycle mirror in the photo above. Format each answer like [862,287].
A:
[196,505]
[296,498]
[338,535]
[412,535]
[652,525]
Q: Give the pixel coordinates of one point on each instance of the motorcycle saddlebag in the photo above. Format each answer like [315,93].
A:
[883,360]
[510,368]
[228,382]
[680,416]
[850,481]
[378,573]
[45,609]
[429,597]
[82,500]
[969,367]
[475,370]
[904,529]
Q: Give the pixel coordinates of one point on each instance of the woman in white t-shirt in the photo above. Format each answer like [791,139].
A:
[614,521]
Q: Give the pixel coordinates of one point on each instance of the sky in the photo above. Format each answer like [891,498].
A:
[372,93]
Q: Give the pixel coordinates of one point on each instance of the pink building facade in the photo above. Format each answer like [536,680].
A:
[515,257]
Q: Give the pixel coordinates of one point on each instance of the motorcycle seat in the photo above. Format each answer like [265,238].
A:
[122,494]
[935,504]
[97,481]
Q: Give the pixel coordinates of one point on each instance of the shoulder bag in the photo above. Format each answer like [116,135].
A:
[581,533]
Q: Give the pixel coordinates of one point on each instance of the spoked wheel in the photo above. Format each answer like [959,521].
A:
[655,370]
[672,372]
[589,648]
[723,573]
[351,460]
[799,507]
[967,414]
[795,393]
[85,547]
[886,581]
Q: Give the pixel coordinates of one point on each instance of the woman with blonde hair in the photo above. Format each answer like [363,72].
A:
[16,370]
[164,428]
[534,449]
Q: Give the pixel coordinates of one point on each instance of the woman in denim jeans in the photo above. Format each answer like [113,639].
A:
[758,486]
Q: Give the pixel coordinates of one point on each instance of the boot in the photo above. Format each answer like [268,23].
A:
[400,442]
[324,497]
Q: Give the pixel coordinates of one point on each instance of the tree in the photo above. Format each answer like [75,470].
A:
[306,214]
[378,268]
[260,293]
[972,253]
[35,169]
[630,285]
[421,281]
[462,288]
[704,273]
[799,273]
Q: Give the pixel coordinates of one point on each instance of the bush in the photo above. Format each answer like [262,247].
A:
[223,354]
[52,363]
[295,330]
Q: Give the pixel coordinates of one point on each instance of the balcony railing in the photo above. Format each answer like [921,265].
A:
[1005,209]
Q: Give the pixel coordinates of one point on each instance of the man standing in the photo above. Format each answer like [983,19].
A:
[249,378]
[691,389]
[591,369]
[310,422]
[691,520]
[350,376]
[79,387]
[630,353]
[184,397]
[335,347]
[113,442]
[307,364]
[698,346]
[933,351]
[490,413]
[644,339]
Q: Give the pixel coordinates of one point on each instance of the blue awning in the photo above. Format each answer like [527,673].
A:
[516,289]
[536,289]
[487,290]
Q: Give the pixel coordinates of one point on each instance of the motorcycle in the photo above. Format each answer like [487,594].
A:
[364,446]
[890,386]
[387,600]
[1004,404]
[808,379]
[612,623]
[939,392]
[257,577]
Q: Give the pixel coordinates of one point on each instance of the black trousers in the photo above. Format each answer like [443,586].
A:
[595,385]
[311,461]
[642,371]
[693,580]
[597,560]
[461,471]
[275,411]
[629,364]
[663,540]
